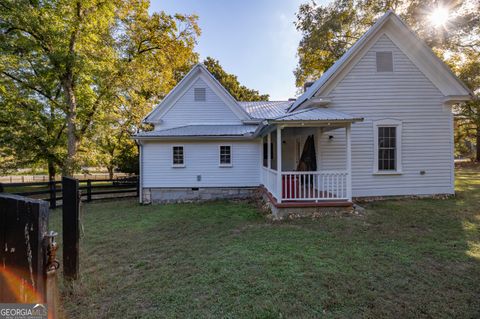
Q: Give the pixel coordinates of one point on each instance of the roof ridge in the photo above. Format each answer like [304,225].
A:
[170,128]
[264,101]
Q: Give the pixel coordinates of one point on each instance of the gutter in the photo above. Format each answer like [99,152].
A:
[316,122]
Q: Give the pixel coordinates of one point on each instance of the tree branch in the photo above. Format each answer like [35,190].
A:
[31,87]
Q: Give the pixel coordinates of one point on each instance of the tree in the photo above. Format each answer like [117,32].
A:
[329,30]
[69,66]
[468,114]
[230,82]
[127,160]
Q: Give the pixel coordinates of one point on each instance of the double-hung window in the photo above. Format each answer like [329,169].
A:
[388,147]
[178,156]
[225,155]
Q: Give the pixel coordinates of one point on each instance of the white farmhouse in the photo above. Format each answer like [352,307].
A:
[377,123]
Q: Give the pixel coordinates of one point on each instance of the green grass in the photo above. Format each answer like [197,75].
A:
[404,258]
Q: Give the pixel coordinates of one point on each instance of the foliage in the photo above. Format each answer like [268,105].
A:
[230,82]
[72,69]
[464,140]
[403,259]
[127,160]
[468,114]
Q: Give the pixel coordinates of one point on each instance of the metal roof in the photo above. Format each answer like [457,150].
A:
[202,130]
[277,110]
[318,114]
[266,109]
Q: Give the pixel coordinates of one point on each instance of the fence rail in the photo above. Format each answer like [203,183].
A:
[90,189]
[10,179]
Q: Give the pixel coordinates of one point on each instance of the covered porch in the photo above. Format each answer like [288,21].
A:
[296,167]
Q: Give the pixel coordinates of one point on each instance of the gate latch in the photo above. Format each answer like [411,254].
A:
[52,246]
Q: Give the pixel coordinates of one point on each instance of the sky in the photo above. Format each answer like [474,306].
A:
[254,39]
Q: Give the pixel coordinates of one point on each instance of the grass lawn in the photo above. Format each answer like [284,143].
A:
[408,258]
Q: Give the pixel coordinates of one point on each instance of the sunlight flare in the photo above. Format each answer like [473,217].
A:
[439,17]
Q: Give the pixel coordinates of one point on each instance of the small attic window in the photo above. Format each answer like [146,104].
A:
[200,94]
[384,62]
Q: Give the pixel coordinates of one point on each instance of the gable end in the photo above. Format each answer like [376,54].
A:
[197,72]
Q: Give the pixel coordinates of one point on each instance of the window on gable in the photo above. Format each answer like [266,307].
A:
[225,155]
[384,61]
[178,156]
[200,94]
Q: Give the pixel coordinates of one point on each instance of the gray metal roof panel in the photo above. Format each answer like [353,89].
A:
[318,114]
[202,130]
[266,109]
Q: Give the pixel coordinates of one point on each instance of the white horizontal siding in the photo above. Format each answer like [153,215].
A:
[332,152]
[187,111]
[201,158]
[406,95]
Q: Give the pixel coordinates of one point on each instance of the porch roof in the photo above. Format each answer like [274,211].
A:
[266,110]
[202,130]
[318,114]
[277,111]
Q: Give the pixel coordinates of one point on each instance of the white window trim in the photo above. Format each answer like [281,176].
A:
[171,156]
[231,156]
[398,158]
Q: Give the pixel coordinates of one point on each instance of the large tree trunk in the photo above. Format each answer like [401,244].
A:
[477,157]
[72,141]
[51,170]
[68,87]
[110,171]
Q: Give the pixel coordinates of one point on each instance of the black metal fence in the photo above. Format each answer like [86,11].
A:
[90,189]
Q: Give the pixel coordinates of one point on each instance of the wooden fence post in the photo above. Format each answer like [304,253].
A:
[71,229]
[138,185]
[53,194]
[89,190]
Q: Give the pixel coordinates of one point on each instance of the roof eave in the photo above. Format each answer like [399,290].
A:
[195,137]
[453,99]
[315,122]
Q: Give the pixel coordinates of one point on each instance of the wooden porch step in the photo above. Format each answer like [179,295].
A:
[305,204]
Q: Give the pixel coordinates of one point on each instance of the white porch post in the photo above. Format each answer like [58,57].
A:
[349,162]
[269,150]
[279,164]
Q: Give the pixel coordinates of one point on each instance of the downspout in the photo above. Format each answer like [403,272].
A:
[140,173]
